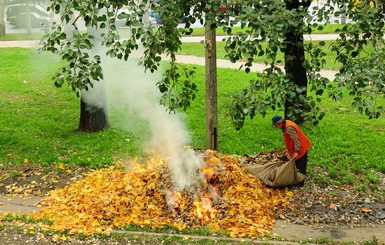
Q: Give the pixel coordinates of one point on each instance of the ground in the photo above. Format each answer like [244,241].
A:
[334,213]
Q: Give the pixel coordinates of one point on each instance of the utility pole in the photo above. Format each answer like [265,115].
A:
[211,87]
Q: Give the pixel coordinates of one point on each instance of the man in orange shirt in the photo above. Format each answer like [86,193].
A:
[296,142]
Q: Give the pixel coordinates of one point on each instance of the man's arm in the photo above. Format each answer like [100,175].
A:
[290,130]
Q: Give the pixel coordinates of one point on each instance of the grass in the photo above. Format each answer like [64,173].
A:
[22,36]
[39,122]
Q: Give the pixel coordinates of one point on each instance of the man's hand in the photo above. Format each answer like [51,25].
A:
[295,155]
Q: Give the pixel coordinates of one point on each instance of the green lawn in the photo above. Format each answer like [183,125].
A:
[38,122]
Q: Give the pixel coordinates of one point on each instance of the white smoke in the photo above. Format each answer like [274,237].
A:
[95,97]
[128,85]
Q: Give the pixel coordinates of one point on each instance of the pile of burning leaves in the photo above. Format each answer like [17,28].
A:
[227,200]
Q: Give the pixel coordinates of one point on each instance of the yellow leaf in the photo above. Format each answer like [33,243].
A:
[108,231]
[55,238]
[239,188]
[61,166]
[25,160]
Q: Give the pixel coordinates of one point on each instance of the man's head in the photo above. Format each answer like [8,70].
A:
[278,121]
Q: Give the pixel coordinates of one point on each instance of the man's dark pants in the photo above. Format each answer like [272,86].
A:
[301,165]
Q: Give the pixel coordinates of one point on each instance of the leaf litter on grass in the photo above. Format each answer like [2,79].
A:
[225,198]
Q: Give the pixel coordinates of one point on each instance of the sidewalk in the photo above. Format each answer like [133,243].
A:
[17,204]
[314,37]
[20,44]
[188,59]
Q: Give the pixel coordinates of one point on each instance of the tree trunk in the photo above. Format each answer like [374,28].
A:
[211,88]
[294,66]
[92,118]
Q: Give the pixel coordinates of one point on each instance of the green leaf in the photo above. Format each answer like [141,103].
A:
[339,96]
[320,92]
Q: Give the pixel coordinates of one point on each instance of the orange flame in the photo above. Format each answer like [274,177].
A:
[179,200]
[204,211]
[209,172]
[176,201]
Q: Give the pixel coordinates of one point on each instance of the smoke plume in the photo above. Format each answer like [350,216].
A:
[128,85]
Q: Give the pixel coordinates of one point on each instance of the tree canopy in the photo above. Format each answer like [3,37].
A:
[361,72]
[280,24]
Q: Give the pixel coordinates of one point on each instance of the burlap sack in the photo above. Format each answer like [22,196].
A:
[277,174]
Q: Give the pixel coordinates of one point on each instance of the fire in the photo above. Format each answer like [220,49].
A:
[212,181]
[198,201]
[195,201]
[180,200]
[176,201]
[204,210]
[209,172]
[201,209]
